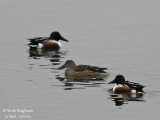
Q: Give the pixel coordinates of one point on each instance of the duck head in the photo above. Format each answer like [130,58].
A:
[57,36]
[68,64]
[118,80]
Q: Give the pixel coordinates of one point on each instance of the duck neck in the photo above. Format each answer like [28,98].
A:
[69,71]
[72,66]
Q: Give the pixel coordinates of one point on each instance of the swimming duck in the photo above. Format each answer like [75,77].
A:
[47,43]
[83,71]
[126,86]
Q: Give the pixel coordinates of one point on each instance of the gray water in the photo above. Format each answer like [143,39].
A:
[122,35]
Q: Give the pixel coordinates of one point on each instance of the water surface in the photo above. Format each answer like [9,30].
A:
[122,35]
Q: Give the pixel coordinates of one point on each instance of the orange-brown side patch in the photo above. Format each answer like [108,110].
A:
[50,46]
[120,90]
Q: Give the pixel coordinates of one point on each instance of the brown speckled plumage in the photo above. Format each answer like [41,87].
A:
[83,71]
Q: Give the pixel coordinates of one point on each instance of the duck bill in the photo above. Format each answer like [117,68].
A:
[112,82]
[64,39]
[61,67]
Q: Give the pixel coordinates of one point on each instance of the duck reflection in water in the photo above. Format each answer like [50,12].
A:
[54,56]
[77,83]
[83,74]
[125,98]
[125,91]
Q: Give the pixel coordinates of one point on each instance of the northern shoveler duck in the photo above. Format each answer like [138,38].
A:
[47,43]
[83,71]
[126,86]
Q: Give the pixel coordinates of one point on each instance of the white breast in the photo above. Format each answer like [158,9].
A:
[116,87]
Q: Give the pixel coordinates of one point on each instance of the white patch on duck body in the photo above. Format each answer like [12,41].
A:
[33,46]
[40,45]
[133,91]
